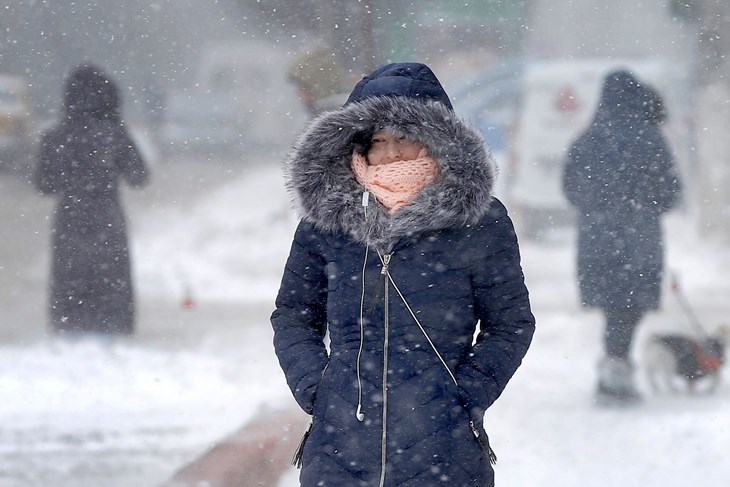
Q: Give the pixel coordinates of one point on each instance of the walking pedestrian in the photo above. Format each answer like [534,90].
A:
[402,312]
[621,177]
[83,160]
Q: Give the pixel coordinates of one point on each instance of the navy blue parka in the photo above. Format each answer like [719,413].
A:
[621,177]
[397,332]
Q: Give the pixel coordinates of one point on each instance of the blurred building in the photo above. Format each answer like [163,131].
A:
[713,115]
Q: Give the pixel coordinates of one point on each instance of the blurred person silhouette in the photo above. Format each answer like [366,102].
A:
[319,80]
[82,161]
[621,177]
[402,312]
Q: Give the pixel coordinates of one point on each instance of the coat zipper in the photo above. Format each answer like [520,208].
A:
[481,439]
[386,322]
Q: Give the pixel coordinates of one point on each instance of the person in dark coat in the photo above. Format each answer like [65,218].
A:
[82,161]
[402,312]
[621,177]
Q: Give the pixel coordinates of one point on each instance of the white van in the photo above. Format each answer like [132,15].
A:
[240,100]
[559,101]
[16,137]
[251,76]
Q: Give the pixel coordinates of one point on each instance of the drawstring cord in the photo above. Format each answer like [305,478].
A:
[418,322]
[386,271]
[483,442]
[359,414]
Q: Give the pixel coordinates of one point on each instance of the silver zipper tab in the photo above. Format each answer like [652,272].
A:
[386,263]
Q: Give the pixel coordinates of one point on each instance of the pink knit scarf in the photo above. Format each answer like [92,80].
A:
[397,183]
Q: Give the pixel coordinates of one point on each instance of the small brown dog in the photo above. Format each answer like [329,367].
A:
[677,363]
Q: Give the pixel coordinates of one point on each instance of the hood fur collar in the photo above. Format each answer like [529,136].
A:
[326,193]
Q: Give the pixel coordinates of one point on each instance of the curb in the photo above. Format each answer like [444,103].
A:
[258,454]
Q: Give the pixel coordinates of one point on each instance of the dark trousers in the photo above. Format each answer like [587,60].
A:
[620,328]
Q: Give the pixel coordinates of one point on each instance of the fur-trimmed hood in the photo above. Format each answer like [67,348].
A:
[326,193]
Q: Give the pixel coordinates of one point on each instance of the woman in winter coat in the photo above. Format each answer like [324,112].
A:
[621,177]
[82,161]
[402,312]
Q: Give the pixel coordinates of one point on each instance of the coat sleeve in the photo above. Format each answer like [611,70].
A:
[503,308]
[299,320]
[577,176]
[130,162]
[662,190]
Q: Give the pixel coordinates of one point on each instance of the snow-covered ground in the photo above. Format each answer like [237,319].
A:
[131,412]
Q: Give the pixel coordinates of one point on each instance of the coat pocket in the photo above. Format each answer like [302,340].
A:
[475,426]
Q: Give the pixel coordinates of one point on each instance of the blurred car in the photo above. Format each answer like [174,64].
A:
[494,112]
[16,141]
[198,121]
[491,101]
[560,99]
[240,101]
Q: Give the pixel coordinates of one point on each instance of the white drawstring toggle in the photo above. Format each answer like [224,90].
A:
[359,414]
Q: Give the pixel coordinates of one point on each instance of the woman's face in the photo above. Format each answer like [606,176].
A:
[387,148]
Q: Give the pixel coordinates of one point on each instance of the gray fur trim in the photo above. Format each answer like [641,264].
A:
[318,175]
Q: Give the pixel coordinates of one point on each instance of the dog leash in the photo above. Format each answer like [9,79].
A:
[707,360]
[684,304]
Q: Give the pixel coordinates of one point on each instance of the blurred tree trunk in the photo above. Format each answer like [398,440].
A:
[367,39]
[713,119]
[348,27]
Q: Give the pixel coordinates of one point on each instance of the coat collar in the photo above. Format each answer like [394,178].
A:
[326,193]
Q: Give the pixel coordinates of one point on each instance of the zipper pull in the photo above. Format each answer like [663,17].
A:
[297,460]
[484,443]
[386,263]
